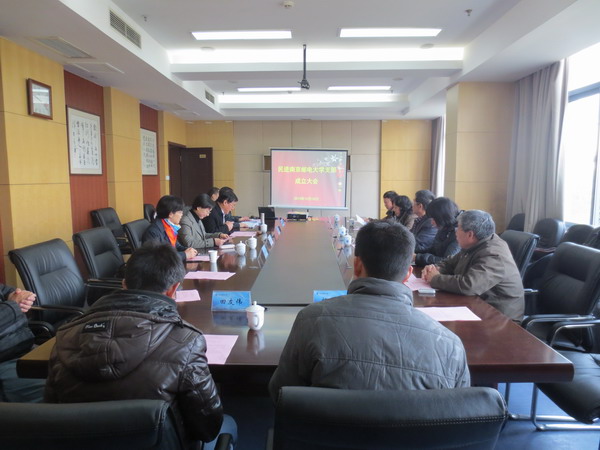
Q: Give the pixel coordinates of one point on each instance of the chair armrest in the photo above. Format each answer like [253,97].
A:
[569,325]
[75,310]
[224,442]
[41,330]
[538,318]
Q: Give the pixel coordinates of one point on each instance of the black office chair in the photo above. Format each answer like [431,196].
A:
[107,217]
[101,254]
[116,425]
[149,212]
[593,240]
[49,270]
[550,232]
[580,398]
[134,231]
[517,222]
[521,245]
[577,233]
[312,417]
[569,289]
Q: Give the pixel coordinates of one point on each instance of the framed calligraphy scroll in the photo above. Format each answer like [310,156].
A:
[85,148]
[149,159]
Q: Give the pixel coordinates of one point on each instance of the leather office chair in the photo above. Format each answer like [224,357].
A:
[569,289]
[550,232]
[517,222]
[593,240]
[311,417]
[101,253]
[580,398]
[115,425]
[521,245]
[107,217]
[577,233]
[49,270]
[149,212]
[134,231]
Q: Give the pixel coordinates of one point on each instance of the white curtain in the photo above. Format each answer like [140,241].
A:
[438,155]
[536,171]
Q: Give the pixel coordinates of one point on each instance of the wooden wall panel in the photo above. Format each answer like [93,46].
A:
[150,183]
[88,192]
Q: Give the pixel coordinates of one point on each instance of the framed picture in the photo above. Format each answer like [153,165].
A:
[39,96]
[149,157]
[85,148]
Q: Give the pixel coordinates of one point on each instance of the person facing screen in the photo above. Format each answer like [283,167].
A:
[388,203]
[423,227]
[403,211]
[216,221]
[379,342]
[192,233]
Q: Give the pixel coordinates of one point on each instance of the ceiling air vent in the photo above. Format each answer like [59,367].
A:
[209,97]
[62,47]
[127,31]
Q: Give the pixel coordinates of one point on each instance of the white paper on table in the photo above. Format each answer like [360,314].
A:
[190,295]
[360,220]
[243,234]
[218,347]
[415,283]
[205,275]
[198,258]
[250,223]
[227,247]
[449,313]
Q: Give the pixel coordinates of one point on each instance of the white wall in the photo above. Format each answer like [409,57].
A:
[362,139]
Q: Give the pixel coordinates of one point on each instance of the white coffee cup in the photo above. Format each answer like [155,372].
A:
[263,228]
[213,255]
[240,248]
[342,231]
[256,316]
[347,240]
[251,243]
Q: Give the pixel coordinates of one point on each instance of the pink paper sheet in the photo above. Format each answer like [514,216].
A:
[243,234]
[205,275]
[415,283]
[199,258]
[449,313]
[218,347]
[190,295]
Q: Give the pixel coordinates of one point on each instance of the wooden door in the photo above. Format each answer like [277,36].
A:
[190,171]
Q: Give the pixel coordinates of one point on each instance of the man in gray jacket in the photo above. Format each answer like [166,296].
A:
[484,267]
[372,338]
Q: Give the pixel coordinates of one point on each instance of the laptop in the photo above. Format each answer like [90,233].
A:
[269,212]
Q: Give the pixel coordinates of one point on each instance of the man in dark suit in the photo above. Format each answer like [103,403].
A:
[216,221]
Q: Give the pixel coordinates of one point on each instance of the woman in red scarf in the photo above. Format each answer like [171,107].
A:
[165,227]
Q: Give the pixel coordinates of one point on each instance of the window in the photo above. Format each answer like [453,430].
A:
[581,137]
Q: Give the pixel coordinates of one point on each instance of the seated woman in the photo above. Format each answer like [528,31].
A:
[192,232]
[403,211]
[423,228]
[443,213]
[164,229]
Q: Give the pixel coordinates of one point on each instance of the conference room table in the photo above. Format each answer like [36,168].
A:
[302,257]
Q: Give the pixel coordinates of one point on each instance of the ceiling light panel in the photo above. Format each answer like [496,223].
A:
[241,35]
[268,89]
[388,32]
[359,88]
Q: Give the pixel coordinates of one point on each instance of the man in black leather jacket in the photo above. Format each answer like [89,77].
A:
[133,344]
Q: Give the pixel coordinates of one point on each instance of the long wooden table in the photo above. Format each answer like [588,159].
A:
[498,350]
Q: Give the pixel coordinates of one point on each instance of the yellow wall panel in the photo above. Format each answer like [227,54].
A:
[127,198]
[306,134]
[122,114]
[220,136]
[486,107]
[406,134]
[125,160]
[490,197]
[39,212]
[405,165]
[36,150]
[483,157]
[170,129]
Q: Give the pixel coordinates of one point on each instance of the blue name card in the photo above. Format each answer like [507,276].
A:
[282,222]
[323,295]
[230,300]
[270,239]
[278,229]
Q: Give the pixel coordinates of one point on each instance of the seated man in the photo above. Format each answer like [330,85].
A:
[423,228]
[15,340]
[133,344]
[216,221]
[388,202]
[372,338]
[484,267]
[237,220]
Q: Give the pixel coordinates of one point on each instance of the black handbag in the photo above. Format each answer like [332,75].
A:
[16,338]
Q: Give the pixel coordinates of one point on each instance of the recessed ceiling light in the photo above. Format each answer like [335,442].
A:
[389,32]
[359,88]
[269,89]
[233,35]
